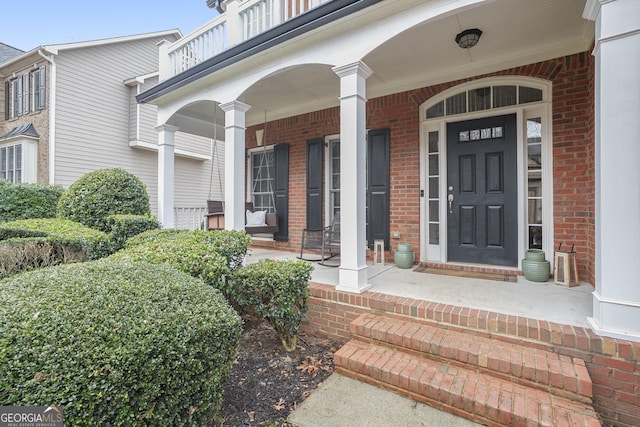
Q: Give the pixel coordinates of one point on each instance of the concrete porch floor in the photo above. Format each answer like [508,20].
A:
[536,300]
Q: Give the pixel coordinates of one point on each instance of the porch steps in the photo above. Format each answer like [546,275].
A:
[486,380]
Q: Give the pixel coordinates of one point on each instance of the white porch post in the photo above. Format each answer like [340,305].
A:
[234,164]
[166,148]
[616,300]
[353,264]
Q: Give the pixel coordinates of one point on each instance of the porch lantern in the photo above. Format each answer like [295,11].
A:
[215,215]
[468,38]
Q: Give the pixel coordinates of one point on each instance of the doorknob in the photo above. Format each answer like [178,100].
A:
[450,199]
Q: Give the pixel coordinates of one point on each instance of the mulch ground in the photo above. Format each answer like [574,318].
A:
[266,382]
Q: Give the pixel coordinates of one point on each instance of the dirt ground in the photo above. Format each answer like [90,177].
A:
[266,382]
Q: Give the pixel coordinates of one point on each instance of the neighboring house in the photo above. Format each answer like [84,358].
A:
[70,108]
[8,52]
[385,111]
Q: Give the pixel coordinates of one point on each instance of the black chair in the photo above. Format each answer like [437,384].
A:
[325,241]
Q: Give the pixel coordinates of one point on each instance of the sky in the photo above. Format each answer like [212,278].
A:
[28,24]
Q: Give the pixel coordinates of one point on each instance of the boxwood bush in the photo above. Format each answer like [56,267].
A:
[116,343]
[98,194]
[123,227]
[209,255]
[277,291]
[22,201]
[75,237]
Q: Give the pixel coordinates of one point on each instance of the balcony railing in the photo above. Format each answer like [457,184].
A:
[242,20]
[189,217]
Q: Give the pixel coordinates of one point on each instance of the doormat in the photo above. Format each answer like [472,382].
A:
[500,277]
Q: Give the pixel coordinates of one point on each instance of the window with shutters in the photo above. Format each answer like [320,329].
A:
[26,94]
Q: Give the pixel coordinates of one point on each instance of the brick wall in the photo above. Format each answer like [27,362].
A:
[613,364]
[573,152]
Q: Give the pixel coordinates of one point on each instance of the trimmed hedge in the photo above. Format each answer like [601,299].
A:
[116,343]
[22,201]
[76,237]
[278,291]
[212,256]
[123,227]
[18,255]
[103,192]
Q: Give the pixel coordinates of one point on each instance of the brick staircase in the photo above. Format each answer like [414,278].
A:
[486,380]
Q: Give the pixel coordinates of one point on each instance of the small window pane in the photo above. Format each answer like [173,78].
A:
[534,153]
[535,237]
[529,94]
[433,165]
[534,130]
[434,234]
[433,188]
[535,184]
[457,104]
[503,96]
[433,142]
[480,99]
[434,214]
[535,211]
[436,111]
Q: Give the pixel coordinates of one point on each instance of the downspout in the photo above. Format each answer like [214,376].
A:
[52,114]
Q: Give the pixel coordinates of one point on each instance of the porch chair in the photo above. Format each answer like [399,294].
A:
[270,222]
[325,241]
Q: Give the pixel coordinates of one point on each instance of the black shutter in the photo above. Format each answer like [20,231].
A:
[378,155]
[281,191]
[7,100]
[314,183]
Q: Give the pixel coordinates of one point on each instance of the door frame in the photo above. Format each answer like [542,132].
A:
[438,253]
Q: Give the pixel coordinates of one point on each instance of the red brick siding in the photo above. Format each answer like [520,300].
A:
[573,153]
[613,364]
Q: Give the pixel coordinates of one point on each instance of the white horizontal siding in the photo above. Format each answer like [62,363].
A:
[94,122]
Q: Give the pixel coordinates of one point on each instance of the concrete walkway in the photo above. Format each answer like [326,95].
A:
[344,402]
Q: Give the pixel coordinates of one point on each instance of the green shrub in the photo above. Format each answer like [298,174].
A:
[116,344]
[73,236]
[123,227]
[208,255]
[228,243]
[98,194]
[22,201]
[277,291]
[18,255]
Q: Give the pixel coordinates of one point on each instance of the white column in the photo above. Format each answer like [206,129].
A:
[616,300]
[234,164]
[353,145]
[166,148]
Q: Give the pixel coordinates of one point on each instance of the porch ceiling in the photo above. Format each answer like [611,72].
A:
[515,32]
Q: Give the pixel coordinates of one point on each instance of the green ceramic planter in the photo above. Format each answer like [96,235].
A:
[536,271]
[534,255]
[404,256]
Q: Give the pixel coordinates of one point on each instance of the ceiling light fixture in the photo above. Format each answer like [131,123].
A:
[468,38]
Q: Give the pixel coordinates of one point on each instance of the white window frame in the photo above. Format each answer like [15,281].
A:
[250,178]
[329,208]
[28,163]
[542,109]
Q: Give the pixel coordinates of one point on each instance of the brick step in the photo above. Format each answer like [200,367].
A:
[531,367]
[465,392]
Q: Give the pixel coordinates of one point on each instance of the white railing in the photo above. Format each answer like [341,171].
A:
[189,218]
[242,20]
